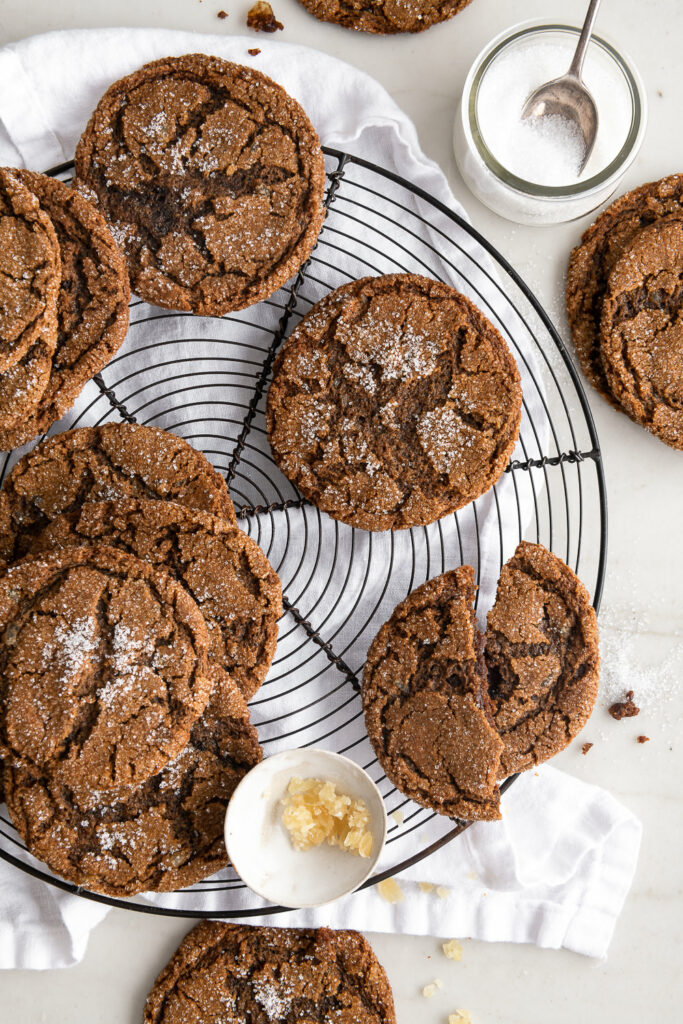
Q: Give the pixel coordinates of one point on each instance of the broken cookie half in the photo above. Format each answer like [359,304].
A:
[423,693]
[542,657]
[450,713]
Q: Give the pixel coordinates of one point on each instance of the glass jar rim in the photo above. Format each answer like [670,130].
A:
[529,188]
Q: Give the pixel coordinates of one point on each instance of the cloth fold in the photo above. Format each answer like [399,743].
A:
[556,870]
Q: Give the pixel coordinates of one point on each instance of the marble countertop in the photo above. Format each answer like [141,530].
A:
[642,613]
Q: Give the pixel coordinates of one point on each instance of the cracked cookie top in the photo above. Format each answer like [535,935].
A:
[229,972]
[29,273]
[393,402]
[385,16]
[92,306]
[592,261]
[165,834]
[117,460]
[226,572]
[211,178]
[542,657]
[103,668]
[642,330]
[422,696]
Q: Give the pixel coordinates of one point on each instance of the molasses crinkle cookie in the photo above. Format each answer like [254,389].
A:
[232,973]
[117,460]
[30,272]
[422,695]
[162,835]
[393,402]
[211,178]
[103,669]
[642,330]
[592,261]
[542,657]
[385,17]
[92,310]
[226,572]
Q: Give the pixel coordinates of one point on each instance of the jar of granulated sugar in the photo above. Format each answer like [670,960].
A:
[529,171]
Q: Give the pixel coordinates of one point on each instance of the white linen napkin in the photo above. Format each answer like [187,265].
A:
[557,868]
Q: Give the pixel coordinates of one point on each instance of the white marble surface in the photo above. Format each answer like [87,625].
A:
[642,619]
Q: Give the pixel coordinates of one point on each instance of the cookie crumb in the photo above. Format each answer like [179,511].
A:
[262,19]
[586,747]
[643,739]
[397,816]
[254,51]
[442,892]
[624,708]
[390,891]
[222,15]
[452,949]
[429,990]
[426,886]
[459,1017]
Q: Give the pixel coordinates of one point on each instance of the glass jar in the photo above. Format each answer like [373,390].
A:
[512,196]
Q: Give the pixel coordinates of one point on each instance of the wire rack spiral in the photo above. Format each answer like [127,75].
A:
[206,379]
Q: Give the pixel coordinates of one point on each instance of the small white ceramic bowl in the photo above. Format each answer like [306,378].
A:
[258,843]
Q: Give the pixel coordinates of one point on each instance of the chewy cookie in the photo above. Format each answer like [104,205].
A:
[385,16]
[232,973]
[227,574]
[542,657]
[422,695]
[165,834]
[642,330]
[92,307]
[592,261]
[211,178]
[22,387]
[29,274]
[117,460]
[393,402]
[103,669]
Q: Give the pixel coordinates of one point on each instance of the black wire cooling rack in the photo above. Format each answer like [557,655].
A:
[206,379]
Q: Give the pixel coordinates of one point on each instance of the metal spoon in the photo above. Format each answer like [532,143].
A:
[567,96]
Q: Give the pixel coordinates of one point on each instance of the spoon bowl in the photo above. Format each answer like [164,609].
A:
[567,97]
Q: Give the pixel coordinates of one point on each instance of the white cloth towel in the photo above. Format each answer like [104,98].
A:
[556,870]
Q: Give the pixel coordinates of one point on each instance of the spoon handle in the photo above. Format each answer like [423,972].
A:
[584,39]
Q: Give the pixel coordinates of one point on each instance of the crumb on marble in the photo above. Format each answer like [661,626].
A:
[452,949]
[624,708]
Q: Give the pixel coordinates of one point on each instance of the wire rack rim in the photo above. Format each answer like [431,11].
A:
[344,160]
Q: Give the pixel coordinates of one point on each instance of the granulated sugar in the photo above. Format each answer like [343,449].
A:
[547,151]
[631,659]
